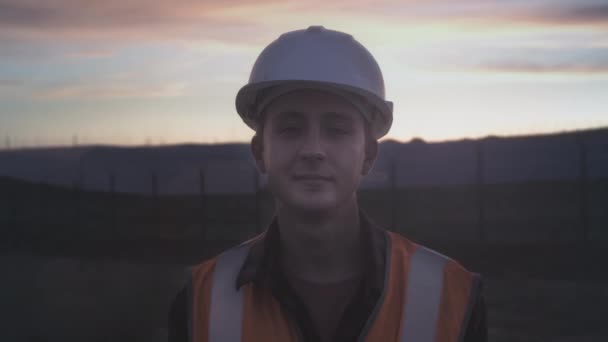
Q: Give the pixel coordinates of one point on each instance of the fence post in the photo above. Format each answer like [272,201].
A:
[154,184]
[156,213]
[41,222]
[480,187]
[8,227]
[583,183]
[203,203]
[113,206]
[39,190]
[393,193]
[258,198]
[12,199]
[78,196]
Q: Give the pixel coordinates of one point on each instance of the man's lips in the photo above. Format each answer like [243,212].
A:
[312,177]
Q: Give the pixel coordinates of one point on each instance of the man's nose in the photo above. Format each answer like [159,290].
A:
[312,147]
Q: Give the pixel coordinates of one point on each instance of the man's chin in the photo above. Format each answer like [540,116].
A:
[311,206]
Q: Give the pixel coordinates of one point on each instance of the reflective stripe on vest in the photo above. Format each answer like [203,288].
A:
[226,307]
[423,296]
[421,308]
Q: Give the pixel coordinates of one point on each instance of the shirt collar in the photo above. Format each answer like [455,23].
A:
[262,266]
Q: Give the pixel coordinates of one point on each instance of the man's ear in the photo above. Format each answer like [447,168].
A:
[257,149]
[371,153]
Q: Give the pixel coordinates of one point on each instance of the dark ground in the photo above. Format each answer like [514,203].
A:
[534,292]
[85,266]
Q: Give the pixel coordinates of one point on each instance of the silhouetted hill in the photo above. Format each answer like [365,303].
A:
[229,168]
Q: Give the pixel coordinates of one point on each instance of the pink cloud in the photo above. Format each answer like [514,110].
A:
[107,91]
[118,20]
[532,67]
[203,19]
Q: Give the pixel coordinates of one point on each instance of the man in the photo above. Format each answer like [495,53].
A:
[322,271]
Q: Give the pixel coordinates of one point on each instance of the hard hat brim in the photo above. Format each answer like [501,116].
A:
[247,97]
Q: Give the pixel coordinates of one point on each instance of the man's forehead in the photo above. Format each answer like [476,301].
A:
[325,115]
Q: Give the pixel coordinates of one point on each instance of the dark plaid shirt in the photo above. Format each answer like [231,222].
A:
[263,269]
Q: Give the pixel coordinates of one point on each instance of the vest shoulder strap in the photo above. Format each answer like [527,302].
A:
[226,306]
[423,295]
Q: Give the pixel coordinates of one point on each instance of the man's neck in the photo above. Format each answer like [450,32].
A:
[321,248]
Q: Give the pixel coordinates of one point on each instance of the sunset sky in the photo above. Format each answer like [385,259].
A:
[165,72]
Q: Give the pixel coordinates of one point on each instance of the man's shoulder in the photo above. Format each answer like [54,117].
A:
[410,248]
[205,268]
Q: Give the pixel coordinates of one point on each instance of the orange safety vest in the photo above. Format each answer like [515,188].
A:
[427,297]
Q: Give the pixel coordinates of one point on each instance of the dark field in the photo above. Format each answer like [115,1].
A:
[85,266]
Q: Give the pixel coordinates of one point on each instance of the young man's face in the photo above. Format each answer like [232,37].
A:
[314,150]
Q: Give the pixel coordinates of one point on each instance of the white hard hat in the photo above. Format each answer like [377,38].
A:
[322,59]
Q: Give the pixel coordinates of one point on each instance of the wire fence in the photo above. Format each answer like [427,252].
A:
[532,211]
[481,191]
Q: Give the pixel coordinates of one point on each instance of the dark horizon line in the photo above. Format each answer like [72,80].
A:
[232,143]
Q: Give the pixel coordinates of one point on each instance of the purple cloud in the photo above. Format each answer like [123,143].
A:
[568,60]
[118,21]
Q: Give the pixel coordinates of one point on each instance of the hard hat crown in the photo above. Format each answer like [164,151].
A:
[317,58]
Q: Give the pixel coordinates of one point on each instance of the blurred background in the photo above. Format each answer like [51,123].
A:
[123,161]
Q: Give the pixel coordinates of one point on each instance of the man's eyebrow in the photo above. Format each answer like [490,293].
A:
[289,114]
[337,116]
